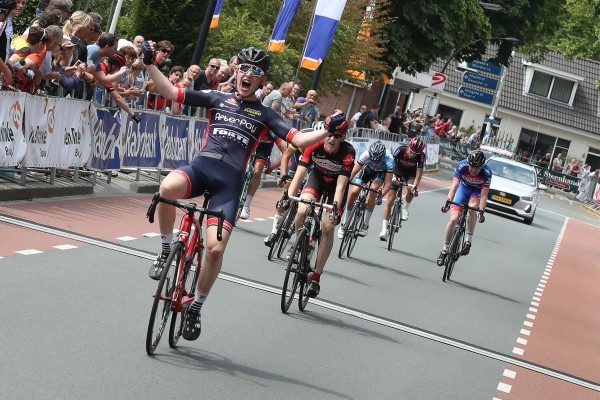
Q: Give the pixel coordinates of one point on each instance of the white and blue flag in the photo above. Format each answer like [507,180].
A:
[325,23]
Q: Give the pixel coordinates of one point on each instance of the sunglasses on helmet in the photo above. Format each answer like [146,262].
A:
[256,71]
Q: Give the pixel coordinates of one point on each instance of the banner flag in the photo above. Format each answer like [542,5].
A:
[284,20]
[12,132]
[214,23]
[325,23]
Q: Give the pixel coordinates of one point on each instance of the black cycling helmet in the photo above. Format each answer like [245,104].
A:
[254,56]
[476,158]
[377,151]
[416,145]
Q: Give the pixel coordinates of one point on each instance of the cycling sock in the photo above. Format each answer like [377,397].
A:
[276,222]
[315,277]
[248,201]
[347,216]
[469,237]
[198,302]
[446,244]
[368,214]
[166,242]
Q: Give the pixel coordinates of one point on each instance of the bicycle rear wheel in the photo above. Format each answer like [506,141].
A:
[358,218]
[189,291]
[161,306]
[393,224]
[291,280]
[288,232]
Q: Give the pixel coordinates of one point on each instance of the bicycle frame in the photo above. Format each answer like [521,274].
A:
[456,241]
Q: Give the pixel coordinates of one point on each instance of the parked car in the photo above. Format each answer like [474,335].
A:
[514,189]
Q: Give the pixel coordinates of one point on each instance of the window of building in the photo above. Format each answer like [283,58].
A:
[550,83]
[535,145]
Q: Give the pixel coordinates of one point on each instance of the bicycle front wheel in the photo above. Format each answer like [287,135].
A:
[452,256]
[189,292]
[393,224]
[357,223]
[291,280]
[163,298]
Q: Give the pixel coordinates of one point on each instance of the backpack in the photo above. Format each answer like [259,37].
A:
[360,123]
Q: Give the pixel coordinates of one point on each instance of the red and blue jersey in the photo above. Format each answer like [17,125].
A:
[479,181]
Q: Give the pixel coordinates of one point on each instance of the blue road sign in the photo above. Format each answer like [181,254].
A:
[485,66]
[475,95]
[480,80]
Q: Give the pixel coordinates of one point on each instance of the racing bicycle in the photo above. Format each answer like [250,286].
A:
[354,224]
[395,221]
[455,247]
[244,193]
[177,284]
[299,262]
[285,230]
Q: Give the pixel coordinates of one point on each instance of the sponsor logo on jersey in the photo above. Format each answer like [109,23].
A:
[238,122]
[237,137]
[252,111]
[231,100]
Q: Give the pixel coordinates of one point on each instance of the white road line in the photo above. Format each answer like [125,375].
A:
[65,247]
[518,351]
[525,332]
[126,238]
[522,341]
[529,324]
[151,234]
[509,373]
[503,387]
[530,316]
[29,252]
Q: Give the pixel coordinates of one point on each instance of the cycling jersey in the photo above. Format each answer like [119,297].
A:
[404,166]
[327,167]
[293,161]
[235,126]
[234,129]
[372,171]
[479,181]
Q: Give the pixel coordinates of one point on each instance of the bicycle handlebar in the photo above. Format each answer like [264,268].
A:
[363,186]
[312,203]
[188,207]
[463,205]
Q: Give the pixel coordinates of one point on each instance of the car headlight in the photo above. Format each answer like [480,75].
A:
[527,198]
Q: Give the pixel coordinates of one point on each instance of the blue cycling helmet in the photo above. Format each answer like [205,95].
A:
[377,151]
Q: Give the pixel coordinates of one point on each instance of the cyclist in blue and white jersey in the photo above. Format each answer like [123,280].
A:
[471,184]
[236,123]
[376,166]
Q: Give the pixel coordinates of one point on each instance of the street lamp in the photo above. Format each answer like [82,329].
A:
[491,6]
[506,39]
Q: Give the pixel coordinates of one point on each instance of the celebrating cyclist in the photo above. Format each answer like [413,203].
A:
[332,160]
[471,184]
[408,165]
[236,123]
[376,166]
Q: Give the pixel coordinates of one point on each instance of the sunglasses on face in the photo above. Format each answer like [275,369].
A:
[165,51]
[214,66]
[256,72]
[336,136]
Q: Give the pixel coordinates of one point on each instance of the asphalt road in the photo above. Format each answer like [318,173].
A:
[384,327]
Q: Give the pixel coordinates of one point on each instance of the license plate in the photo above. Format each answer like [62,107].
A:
[501,199]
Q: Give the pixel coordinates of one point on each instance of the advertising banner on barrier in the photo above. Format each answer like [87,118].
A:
[12,136]
[196,140]
[54,141]
[141,147]
[174,142]
[557,179]
[106,134]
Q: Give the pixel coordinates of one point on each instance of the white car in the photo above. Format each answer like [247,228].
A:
[514,189]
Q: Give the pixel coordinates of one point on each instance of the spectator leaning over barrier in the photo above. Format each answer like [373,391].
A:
[357,115]
[27,58]
[69,75]
[78,27]
[112,63]
[371,118]
[263,92]
[206,78]
[106,47]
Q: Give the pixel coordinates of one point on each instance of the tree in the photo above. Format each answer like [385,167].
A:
[579,33]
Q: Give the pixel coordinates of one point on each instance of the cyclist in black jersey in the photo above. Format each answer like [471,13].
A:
[236,123]
[332,160]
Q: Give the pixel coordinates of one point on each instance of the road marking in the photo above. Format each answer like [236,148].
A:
[509,373]
[522,341]
[503,387]
[529,324]
[324,304]
[151,234]
[525,332]
[518,351]
[29,252]
[125,238]
[530,316]
[65,247]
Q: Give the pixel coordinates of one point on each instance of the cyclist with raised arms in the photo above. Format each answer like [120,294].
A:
[332,160]
[471,184]
[408,165]
[376,166]
[236,123]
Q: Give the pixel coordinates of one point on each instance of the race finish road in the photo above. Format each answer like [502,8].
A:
[518,320]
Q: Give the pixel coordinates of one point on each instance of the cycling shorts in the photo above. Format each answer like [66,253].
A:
[263,153]
[367,174]
[322,191]
[223,182]
[465,193]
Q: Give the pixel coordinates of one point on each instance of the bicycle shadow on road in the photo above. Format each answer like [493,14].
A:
[202,360]
[483,291]
[361,261]
[316,317]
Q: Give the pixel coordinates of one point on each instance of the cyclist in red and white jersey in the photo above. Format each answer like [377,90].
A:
[236,122]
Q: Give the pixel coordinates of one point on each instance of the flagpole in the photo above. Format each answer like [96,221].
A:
[306,42]
[212,5]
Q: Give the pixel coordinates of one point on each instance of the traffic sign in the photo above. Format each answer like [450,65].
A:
[475,95]
[480,80]
[438,82]
[485,66]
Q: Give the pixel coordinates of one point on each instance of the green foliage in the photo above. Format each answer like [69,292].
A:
[21,22]
[578,35]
